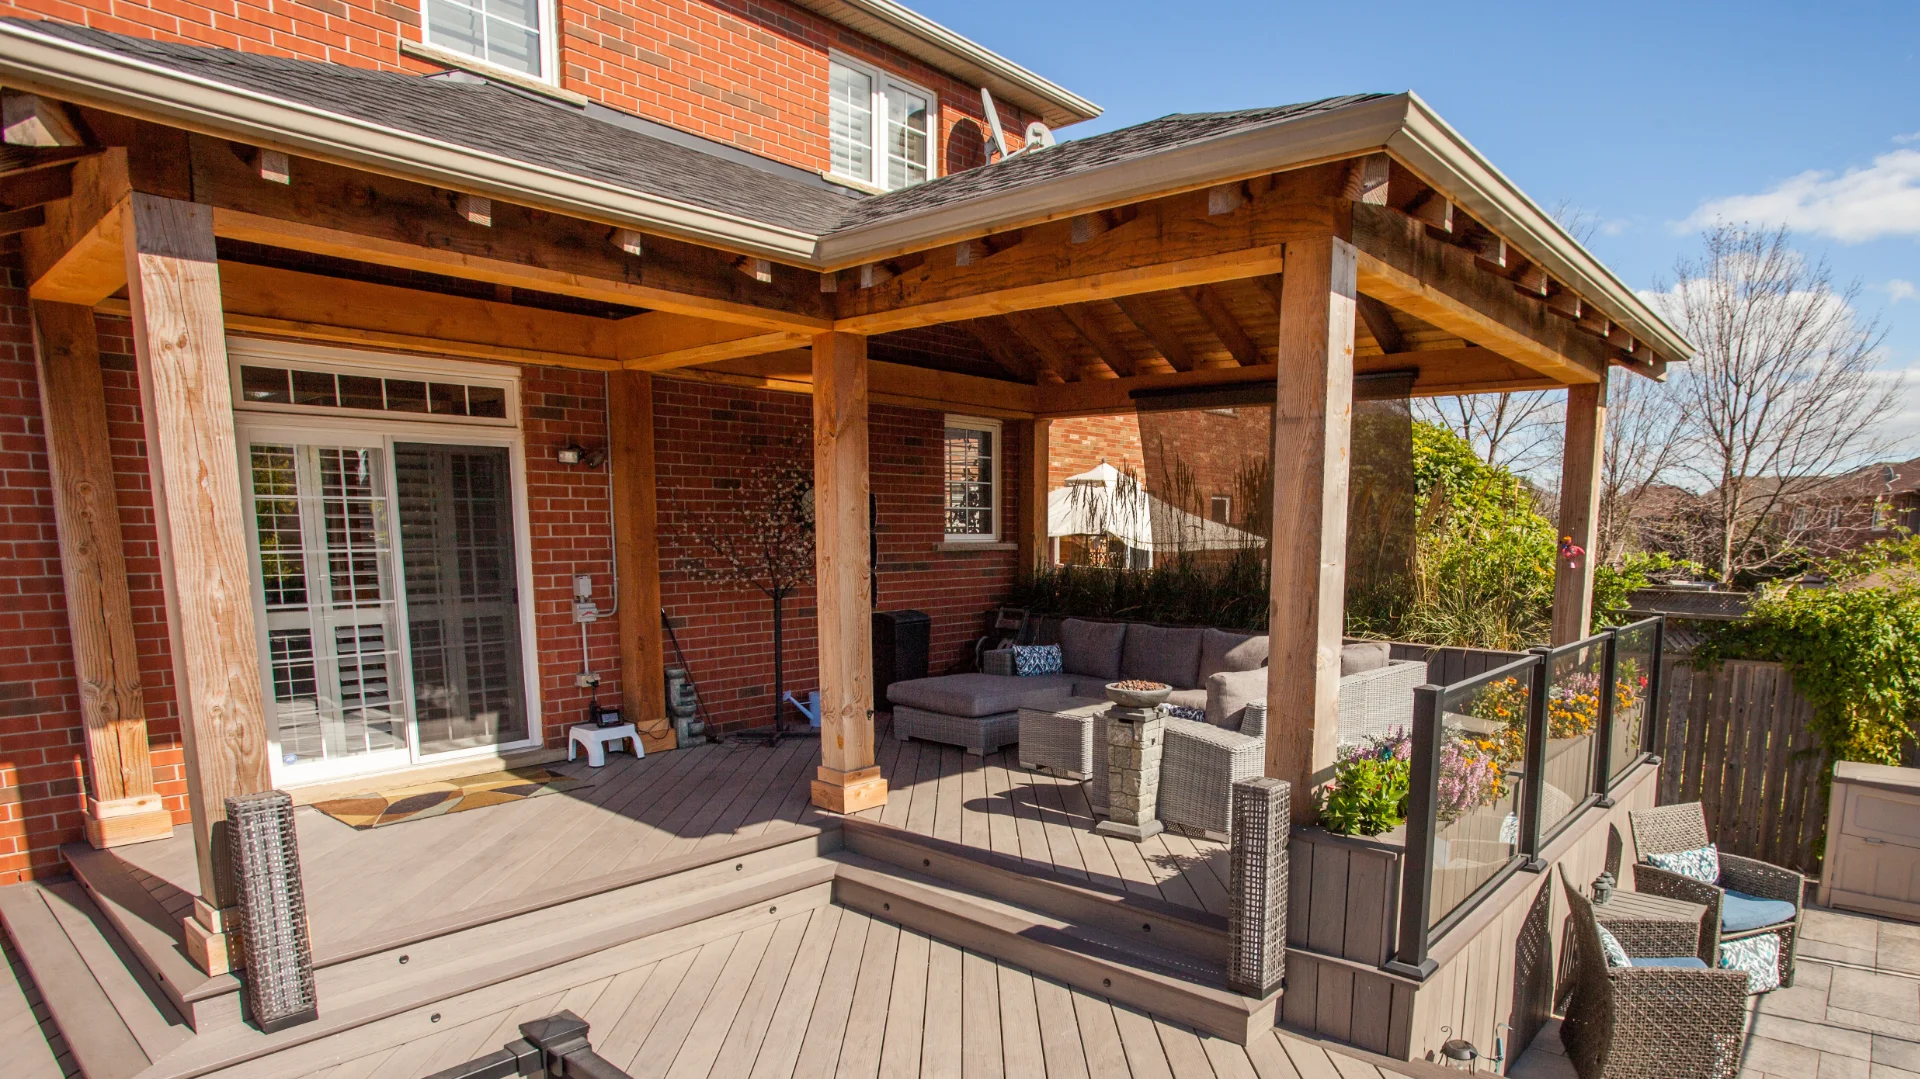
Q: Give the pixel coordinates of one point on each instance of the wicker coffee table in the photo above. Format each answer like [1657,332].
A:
[1057,738]
[1639,908]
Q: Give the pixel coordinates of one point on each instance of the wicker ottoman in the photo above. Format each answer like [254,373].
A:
[1057,738]
[978,735]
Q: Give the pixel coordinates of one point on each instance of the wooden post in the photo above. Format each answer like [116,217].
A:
[1579,509]
[848,781]
[173,286]
[1312,435]
[1032,538]
[121,804]
[636,555]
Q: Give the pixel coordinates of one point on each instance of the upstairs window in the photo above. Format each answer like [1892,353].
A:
[881,128]
[1220,509]
[973,474]
[511,34]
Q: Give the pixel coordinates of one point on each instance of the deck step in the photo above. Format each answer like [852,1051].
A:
[1194,934]
[1156,980]
[91,986]
[34,1047]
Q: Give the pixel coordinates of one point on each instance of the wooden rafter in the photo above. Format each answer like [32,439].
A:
[1379,319]
[1212,308]
[1145,313]
[1007,348]
[663,340]
[1085,318]
[1054,358]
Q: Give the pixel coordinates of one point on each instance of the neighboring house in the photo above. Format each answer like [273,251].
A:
[1201,460]
[1103,517]
[1860,507]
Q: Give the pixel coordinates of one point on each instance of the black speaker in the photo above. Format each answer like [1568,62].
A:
[901,640]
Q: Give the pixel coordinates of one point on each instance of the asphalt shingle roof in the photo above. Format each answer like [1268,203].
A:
[525,127]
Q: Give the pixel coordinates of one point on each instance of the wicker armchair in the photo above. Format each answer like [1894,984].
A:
[1674,828]
[1648,1022]
[1200,763]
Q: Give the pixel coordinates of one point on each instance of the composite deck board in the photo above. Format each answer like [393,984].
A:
[906,1008]
[1022,1055]
[981,1050]
[780,1049]
[748,1030]
[24,1029]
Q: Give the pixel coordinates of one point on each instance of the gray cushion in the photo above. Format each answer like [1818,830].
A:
[1162,654]
[1095,688]
[1092,648]
[1229,693]
[975,695]
[1188,698]
[1364,656]
[1223,651]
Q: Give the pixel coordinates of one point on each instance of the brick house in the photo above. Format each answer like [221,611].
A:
[370,369]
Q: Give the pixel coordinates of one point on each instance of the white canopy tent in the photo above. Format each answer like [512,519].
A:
[1101,502]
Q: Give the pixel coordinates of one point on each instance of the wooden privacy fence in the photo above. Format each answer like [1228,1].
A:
[1738,740]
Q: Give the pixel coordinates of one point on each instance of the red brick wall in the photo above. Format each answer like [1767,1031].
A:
[1210,447]
[752,73]
[706,438]
[706,435]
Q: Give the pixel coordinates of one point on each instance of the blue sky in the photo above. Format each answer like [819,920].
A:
[1642,114]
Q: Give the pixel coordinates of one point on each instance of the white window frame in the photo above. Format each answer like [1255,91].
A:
[549,29]
[257,422]
[996,429]
[877,152]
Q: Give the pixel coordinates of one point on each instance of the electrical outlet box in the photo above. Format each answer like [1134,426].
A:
[582,587]
[586,611]
[586,680]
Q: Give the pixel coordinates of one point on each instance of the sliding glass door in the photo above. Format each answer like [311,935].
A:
[388,581]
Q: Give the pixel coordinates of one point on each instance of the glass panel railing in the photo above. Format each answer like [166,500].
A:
[1633,686]
[1482,751]
[1573,720]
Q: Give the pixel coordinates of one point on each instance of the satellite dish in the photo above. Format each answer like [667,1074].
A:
[1038,134]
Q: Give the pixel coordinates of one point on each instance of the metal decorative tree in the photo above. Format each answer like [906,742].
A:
[762,538]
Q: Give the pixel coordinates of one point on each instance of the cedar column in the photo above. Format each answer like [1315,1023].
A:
[848,781]
[636,554]
[1312,435]
[1034,549]
[173,284]
[1580,465]
[121,804]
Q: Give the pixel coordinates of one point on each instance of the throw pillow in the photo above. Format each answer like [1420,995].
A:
[1758,956]
[1702,865]
[1033,659]
[1178,711]
[1610,947]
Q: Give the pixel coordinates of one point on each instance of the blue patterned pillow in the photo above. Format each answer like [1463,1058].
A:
[1181,711]
[1610,947]
[1702,865]
[1032,659]
[1758,956]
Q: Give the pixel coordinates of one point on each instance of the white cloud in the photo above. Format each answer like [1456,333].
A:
[1898,289]
[1860,204]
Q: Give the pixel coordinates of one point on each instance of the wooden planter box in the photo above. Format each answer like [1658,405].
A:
[1873,841]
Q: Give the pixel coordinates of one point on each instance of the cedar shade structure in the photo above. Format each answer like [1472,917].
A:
[1276,252]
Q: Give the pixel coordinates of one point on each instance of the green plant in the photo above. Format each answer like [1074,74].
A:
[1853,647]
[1367,796]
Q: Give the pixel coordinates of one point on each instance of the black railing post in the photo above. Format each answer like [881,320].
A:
[1416,872]
[1603,725]
[1536,760]
[1655,730]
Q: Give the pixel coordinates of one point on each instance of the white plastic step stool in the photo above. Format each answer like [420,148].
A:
[596,738]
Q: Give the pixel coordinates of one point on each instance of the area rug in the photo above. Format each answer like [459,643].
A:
[417,801]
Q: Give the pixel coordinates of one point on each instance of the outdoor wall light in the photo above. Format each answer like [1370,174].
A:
[574,454]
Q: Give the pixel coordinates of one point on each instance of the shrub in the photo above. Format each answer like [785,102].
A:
[1368,794]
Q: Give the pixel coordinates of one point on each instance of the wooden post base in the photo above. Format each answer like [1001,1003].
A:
[212,942]
[849,792]
[119,822]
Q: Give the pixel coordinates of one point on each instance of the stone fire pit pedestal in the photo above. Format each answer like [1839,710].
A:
[1133,773]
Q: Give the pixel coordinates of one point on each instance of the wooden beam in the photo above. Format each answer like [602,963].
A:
[122,806]
[342,213]
[77,256]
[1159,329]
[12,221]
[1580,464]
[309,307]
[848,780]
[1446,372]
[36,188]
[636,553]
[1058,364]
[1005,346]
[1086,319]
[1440,284]
[1312,434]
[1214,312]
[32,120]
[1036,450]
[888,383]
[662,340]
[180,343]
[1379,319]
[1169,243]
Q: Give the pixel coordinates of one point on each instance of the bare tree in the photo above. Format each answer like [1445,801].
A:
[1642,444]
[1516,431]
[1781,393]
